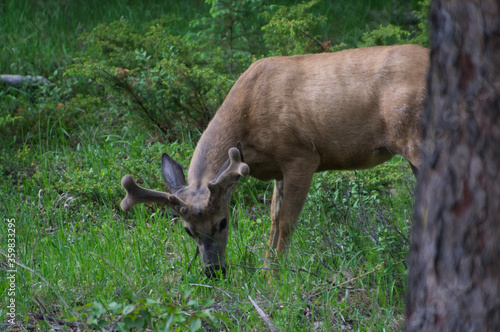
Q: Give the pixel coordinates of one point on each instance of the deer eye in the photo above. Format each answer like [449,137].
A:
[223,224]
[188,231]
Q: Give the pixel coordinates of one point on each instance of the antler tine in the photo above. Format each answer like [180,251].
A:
[136,195]
[234,170]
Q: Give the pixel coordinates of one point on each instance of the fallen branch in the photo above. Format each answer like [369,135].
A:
[16,80]
[263,316]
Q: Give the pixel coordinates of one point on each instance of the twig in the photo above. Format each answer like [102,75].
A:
[314,40]
[42,313]
[322,261]
[57,321]
[117,320]
[258,291]
[299,269]
[76,316]
[343,319]
[40,304]
[263,316]
[213,287]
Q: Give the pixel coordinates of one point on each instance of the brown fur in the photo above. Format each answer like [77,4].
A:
[297,115]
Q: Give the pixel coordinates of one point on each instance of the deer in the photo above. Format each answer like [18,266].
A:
[284,119]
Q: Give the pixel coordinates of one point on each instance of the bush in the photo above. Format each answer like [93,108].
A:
[289,29]
[393,34]
[178,82]
[137,314]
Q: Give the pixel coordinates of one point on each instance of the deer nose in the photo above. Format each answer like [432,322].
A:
[212,271]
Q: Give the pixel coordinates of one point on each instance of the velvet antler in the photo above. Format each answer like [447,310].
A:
[136,195]
[228,175]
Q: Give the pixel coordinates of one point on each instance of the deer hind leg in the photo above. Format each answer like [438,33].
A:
[275,213]
[276,204]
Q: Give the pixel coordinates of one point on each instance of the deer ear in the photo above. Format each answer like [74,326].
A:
[172,173]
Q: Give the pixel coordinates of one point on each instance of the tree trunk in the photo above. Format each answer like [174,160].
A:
[454,281]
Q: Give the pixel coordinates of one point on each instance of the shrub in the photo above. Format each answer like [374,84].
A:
[289,29]
[393,34]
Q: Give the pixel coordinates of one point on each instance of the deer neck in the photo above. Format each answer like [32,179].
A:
[211,151]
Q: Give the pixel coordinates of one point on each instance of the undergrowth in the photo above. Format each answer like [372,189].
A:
[130,82]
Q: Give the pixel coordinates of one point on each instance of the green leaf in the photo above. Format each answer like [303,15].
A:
[145,314]
[168,323]
[206,302]
[221,317]
[139,323]
[128,309]
[186,293]
[122,327]
[150,301]
[114,307]
[193,303]
[195,325]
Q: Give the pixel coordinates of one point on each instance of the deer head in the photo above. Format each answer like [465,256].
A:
[203,208]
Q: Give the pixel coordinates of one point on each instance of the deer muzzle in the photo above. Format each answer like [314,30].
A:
[212,254]
[213,271]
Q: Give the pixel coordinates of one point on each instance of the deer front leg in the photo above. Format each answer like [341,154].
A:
[289,197]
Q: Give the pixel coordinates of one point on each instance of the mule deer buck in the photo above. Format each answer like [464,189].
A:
[289,118]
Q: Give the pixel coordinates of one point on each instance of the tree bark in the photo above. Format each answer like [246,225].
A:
[454,280]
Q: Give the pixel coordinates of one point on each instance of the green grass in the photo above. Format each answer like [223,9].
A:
[84,247]
[37,37]
[80,256]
